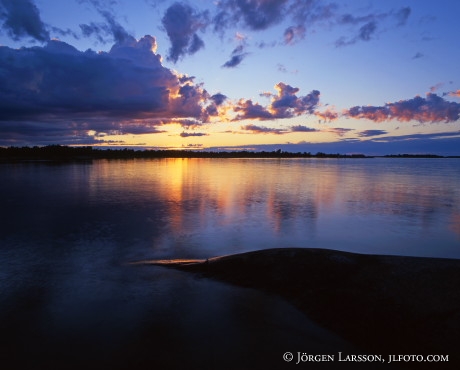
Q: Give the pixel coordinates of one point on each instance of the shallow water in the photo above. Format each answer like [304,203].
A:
[68,232]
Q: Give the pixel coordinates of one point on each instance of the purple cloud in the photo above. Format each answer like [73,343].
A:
[181,23]
[300,128]
[340,131]
[368,24]
[285,104]
[188,134]
[263,130]
[371,133]
[234,61]
[66,92]
[253,14]
[430,109]
[292,33]
[102,31]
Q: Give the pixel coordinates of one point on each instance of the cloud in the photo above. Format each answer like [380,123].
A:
[292,33]
[263,130]
[418,55]
[181,23]
[300,128]
[187,123]
[430,109]
[441,143]
[216,101]
[436,86]
[371,133]
[340,131]
[365,33]
[455,93]
[236,58]
[102,30]
[110,30]
[21,18]
[285,104]
[412,137]
[328,115]
[281,68]
[402,16]
[254,14]
[369,24]
[248,110]
[68,93]
[187,134]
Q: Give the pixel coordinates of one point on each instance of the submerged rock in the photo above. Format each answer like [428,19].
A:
[389,304]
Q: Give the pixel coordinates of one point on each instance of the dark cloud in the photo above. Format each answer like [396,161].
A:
[246,109]
[432,108]
[216,101]
[64,32]
[110,31]
[66,92]
[418,55]
[99,30]
[21,18]
[253,14]
[300,128]
[368,24]
[263,130]
[402,16]
[285,104]
[258,15]
[187,123]
[310,12]
[116,29]
[356,20]
[435,136]
[366,31]
[187,134]
[218,98]
[371,133]
[181,23]
[236,58]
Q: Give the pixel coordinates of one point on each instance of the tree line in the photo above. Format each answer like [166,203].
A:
[63,153]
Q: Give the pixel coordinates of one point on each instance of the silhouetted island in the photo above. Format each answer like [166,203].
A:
[59,152]
[82,153]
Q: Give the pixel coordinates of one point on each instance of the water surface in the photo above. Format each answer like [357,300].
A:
[68,231]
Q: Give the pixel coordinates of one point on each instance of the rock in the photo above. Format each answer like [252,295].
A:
[384,304]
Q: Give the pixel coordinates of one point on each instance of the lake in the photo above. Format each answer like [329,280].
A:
[69,231]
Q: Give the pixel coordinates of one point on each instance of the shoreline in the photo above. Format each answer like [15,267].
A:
[390,304]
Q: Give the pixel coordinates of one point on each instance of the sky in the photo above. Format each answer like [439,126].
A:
[361,76]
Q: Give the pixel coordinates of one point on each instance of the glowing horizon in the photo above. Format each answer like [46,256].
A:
[298,76]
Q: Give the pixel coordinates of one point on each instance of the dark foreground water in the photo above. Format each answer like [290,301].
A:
[70,299]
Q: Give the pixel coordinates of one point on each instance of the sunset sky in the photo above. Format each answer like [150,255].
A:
[374,77]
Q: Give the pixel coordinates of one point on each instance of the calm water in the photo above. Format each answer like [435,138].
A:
[68,231]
